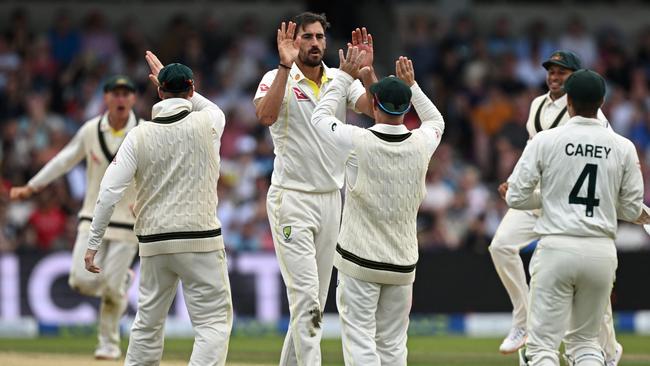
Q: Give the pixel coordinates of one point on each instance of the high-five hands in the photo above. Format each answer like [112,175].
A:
[404,70]
[351,63]
[288,47]
[363,41]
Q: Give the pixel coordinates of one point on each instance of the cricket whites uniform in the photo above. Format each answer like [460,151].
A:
[377,248]
[97,142]
[590,177]
[304,207]
[515,231]
[175,162]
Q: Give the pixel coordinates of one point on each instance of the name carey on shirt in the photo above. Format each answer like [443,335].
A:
[587,150]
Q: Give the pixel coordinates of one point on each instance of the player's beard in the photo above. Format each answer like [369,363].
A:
[311,60]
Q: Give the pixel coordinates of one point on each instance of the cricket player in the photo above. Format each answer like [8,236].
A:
[377,248]
[174,160]
[304,200]
[97,141]
[516,229]
[588,178]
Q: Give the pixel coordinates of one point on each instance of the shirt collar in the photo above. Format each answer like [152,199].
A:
[104,126]
[389,129]
[587,121]
[170,107]
[297,75]
[559,102]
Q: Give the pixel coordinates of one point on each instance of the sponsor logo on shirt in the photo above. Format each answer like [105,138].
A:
[264,88]
[299,94]
[333,127]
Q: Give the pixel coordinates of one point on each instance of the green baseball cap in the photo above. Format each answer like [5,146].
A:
[176,78]
[585,86]
[566,59]
[119,81]
[392,95]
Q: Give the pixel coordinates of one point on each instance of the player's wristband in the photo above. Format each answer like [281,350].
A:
[284,66]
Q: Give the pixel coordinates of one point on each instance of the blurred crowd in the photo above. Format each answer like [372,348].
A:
[481,78]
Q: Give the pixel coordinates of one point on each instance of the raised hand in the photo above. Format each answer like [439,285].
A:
[363,40]
[404,70]
[351,63]
[287,46]
[155,65]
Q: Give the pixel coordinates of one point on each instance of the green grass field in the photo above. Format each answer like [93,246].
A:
[438,350]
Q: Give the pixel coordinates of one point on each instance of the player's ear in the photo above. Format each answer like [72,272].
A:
[569,106]
[160,93]
[191,93]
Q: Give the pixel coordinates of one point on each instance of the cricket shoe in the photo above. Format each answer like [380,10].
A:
[617,356]
[514,341]
[108,352]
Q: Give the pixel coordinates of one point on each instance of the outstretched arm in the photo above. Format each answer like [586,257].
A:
[432,122]
[363,41]
[199,102]
[67,158]
[267,107]
[329,127]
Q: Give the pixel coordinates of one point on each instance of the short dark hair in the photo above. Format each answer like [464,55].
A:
[183,94]
[307,18]
[582,108]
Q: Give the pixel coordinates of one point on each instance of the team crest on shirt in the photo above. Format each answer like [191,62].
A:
[286,231]
[300,95]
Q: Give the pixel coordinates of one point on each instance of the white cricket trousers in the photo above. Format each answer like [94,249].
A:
[571,281]
[206,288]
[374,320]
[305,228]
[114,258]
[513,234]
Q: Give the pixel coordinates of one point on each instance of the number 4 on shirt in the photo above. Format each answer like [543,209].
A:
[590,173]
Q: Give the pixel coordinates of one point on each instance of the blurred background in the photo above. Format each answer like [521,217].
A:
[479,61]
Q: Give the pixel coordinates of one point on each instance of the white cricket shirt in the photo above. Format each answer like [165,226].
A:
[97,142]
[546,113]
[302,159]
[589,178]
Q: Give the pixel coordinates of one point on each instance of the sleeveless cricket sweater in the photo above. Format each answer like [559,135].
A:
[176,184]
[378,239]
